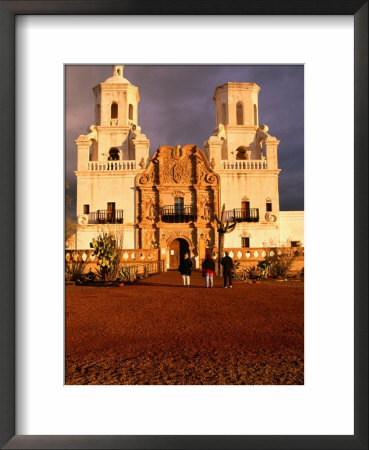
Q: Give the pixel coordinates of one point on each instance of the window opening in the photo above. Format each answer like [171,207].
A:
[178,205]
[114,111]
[239,113]
[245,242]
[224,114]
[113,154]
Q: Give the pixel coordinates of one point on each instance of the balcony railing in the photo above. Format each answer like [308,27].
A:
[175,214]
[112,165]
[256,164]
[242,215]
[106,216]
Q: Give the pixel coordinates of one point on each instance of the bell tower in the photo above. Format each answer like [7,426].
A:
[116,101]
[237,120]
[109,159]
[236,104]
[116,119]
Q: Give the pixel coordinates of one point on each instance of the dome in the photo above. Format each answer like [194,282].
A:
[117,77]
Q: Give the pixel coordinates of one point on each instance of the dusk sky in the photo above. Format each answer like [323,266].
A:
[177,107]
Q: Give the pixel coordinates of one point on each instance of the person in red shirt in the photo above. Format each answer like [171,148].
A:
[208,270]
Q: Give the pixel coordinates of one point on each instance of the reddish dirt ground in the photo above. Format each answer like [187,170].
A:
[158,332]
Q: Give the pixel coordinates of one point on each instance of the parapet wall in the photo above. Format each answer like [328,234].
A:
[245,256]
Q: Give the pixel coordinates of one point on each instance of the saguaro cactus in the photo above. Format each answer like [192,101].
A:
[222,229]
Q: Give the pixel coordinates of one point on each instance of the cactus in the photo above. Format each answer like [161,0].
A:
[105,249]
[222,229]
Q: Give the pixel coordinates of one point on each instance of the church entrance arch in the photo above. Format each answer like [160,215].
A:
[177,249]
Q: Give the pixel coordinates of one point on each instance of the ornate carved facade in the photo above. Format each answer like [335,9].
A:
[177,197]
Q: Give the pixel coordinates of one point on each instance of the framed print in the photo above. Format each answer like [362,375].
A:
[179,192]
[37,42]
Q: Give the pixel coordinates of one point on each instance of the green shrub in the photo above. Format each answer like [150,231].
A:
[278,265]
[253,273]
[264,267]
[74,270]
[127,273]
[105,249]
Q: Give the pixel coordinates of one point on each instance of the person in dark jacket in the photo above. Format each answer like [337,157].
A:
[184,268]
[208,270]
[227,264]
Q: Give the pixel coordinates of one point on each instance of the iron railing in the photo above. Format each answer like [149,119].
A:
[133,272]
[106,216]
[242,215]
[175,214]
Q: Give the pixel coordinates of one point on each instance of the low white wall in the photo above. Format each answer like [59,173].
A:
[291,225]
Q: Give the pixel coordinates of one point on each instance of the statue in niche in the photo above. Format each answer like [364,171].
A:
[207,211]
[150,239]
[150,209]
[204,208]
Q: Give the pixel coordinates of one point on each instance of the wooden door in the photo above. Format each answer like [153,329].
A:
[174,254]
[111,212]
[245,209]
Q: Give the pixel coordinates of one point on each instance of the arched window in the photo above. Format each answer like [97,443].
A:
[113,154]
[255,115]
[239,113]
[114,111]
[93,150]
[224,114]
[98,111]
[241,152]
[130,112]
[268,205]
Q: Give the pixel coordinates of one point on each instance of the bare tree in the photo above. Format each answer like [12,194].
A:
[222,229]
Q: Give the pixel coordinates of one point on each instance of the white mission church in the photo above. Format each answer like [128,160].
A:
[168,201]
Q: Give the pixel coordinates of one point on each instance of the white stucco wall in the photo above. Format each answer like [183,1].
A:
[291,227]
[259,234]
[97,189]
[124,233]
[257,186]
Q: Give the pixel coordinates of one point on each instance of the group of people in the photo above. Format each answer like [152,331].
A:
[208,270]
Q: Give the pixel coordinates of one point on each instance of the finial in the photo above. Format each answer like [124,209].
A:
[118,70]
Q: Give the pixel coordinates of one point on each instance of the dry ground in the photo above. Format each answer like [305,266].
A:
[158,332]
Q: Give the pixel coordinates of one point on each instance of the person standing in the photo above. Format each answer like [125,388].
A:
[208,270]
[227,264]
[184,268]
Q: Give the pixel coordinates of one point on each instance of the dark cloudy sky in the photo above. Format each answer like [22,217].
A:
[177,107]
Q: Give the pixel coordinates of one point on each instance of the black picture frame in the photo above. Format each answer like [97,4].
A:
[8,11]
